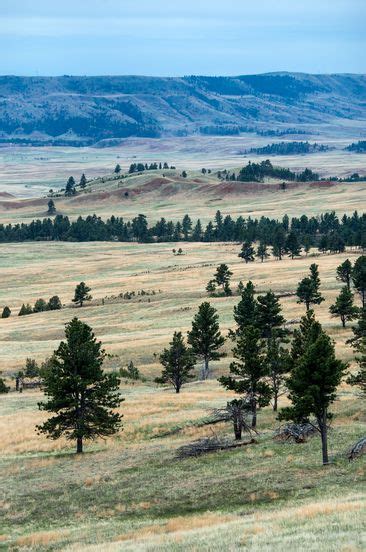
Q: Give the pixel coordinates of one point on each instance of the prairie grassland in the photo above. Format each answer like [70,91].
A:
[136,329]
[130,492]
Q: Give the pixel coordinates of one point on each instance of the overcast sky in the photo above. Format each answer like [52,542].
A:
[181,37]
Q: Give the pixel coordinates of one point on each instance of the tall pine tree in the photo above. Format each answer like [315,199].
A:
[248,373]
[80,394]
[205,337]
[178,363]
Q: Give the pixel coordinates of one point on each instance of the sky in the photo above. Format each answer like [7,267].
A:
[181,37]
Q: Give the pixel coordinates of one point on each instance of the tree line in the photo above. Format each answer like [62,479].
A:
[328,232]
[289,148]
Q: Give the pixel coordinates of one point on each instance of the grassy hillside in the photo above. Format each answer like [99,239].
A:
[130,492]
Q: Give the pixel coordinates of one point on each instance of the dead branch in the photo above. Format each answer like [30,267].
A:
[357,450]
[210,444]
[297,433]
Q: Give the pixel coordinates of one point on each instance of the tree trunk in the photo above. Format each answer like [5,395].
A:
[237,430]
[206,368]
[79,445]
[343,321]
[254,413]
[275,401]
[324,437]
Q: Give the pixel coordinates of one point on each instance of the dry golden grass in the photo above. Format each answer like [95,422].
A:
[138,328]
[42,538]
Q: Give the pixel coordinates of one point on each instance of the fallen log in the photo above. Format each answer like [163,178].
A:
[210,444]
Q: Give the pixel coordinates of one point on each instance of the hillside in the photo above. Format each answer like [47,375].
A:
[71,110]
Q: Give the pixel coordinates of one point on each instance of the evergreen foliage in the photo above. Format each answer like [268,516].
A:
[79,393]
[313,382]
[344,307]
[6,312]
[248,373]
[205,337]
[81,294]
[178,363]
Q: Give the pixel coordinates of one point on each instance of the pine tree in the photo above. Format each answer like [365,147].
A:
[359,331]
[197,232]
[3,387]
[205,337]
[82,182]
[211,287]
[248,375]
[308,288]
[186,227]
[344,307]
[40,306]
[292,245]
[313,382]
[6,312]
[51,207]
[307,333]
[222,278]
[178,363]
[245,312]
[269,317]
[278,362]
[81,294]
[323,243]
[184,174]
[359,379]
[31,369]
[54,303]
[25,309]
[262,252]
[80,394]
[70,187]
[344,273]
[359,278]
[247,252]
[117,168]
[279,242]
[359,344]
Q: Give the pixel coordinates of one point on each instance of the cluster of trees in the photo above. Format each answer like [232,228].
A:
[357,147]
[71,185]
[267,362]
[40,305]
[255,172]
[327,231]
[81,294]
[140,167]
[289,148]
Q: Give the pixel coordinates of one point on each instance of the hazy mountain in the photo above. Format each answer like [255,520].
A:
[86,110]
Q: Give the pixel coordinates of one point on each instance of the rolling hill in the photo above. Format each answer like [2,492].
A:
[70,110]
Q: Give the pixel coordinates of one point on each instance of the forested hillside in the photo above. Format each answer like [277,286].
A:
[72,110]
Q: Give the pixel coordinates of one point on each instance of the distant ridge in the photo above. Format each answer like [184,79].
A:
[86,110]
